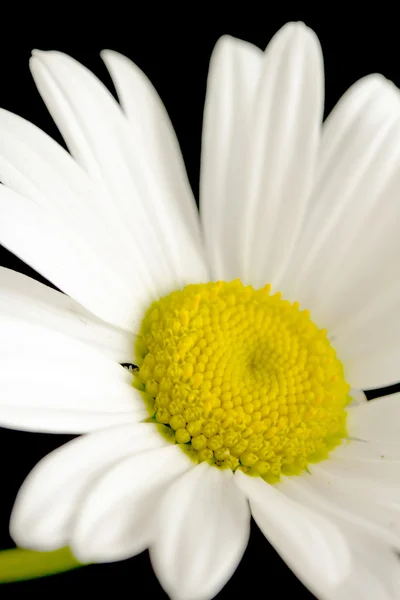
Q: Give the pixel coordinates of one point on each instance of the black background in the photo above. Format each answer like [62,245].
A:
[176,61]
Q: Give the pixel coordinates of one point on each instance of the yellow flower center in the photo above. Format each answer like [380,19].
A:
[242,378]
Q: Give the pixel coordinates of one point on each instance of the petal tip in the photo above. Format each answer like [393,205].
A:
[295,38]
[224,44]
[107,54]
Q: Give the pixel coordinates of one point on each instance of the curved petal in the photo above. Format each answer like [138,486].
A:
[345,269]
[51,382]
[27,300]
[202,531]
[53,249]
[51,495]
[349,139]
[34,165]
[360,491]
[313,547]
[99,136]
[284,134]
[64,420]
[116,518]
[368,467]
[367,529]
[233,78]
[328,496]
[153,132]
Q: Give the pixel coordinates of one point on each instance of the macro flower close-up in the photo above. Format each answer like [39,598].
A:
[212,361]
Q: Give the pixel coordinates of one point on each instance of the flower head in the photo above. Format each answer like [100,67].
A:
[246,327]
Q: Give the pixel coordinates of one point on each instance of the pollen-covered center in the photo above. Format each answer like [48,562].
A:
[242,378]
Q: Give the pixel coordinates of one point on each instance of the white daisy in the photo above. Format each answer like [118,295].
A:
[243,382]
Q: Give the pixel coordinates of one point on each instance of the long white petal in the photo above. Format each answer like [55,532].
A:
[154,134]
[52,494]
[52,249]
[51,382]
[47,420]
[284,135]
[27,300]
[233,78]
[99,136]
[202,532]
[34,165]
[116,519]
[345,269]
[313,547]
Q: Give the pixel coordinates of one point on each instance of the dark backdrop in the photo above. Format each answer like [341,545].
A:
[177,62]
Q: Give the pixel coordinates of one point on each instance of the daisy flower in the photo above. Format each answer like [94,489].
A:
[248,333]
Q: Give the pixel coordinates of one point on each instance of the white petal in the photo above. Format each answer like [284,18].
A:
[99,136]
[27,300]
[34,165]
[53,249]
[314,548]
[153,133]
[52,494]
[377,365]
[383,472]
[354,122]
[116,519]
[380,451]
[360,482]
[369,532]
[202,531]
[345,269]
[375,573]
[234,73]
[376,420]
[285,132]
[362,498]
[51,382]
[353,504]
[47,420]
